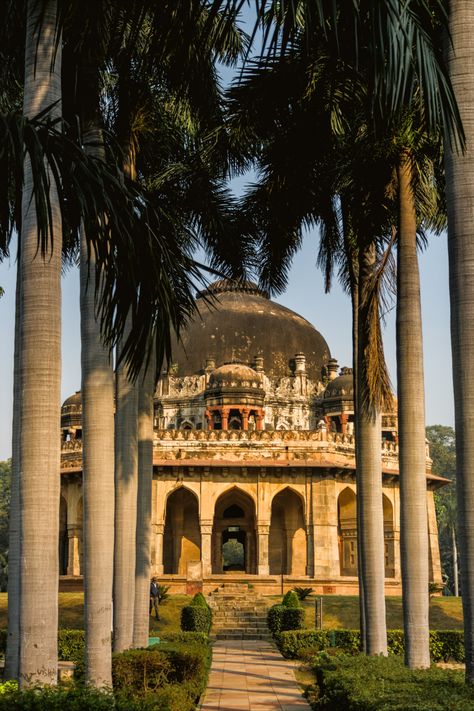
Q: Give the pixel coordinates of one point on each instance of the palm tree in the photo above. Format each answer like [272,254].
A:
[460,189]
[411,428]
[39,376]
[146,391]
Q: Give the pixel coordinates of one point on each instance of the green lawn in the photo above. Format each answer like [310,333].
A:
[342,611]
[338,611]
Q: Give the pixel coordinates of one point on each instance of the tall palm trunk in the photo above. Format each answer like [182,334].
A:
[126,490]
[143,534]
[369,478]
[460,195]
[97,391]
[454,547]
[414,546]
[39,380]
[12,656]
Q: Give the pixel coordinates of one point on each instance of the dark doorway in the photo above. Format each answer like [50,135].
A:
[233,549]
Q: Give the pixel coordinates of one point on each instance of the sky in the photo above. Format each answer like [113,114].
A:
[329,313]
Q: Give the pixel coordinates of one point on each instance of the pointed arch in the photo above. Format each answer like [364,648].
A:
[234,543]
[347,529]
[389,540]
[182,534]
[287,540]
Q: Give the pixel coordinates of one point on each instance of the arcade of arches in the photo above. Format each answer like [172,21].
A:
[265,528]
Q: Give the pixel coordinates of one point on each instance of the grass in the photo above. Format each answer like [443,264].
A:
[339,611]
[342,612]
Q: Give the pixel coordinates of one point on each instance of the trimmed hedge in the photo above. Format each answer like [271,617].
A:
[71,644]
[445,645]
[196,617]
[361,683]
[291,599]
[281,618]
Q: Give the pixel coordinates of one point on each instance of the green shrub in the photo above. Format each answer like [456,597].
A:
[291,599]
[138,671]
[281,618]
[71,644]
[196,619]
[184,638]
[363,683]
[445,645]
[275,619]
[293,618]
[199,600]
[303,593]
[72,699]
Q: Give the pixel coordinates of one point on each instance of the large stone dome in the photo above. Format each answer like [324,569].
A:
[238,321]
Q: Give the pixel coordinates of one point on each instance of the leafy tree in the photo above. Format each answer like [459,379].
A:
[442,441]
[5,475]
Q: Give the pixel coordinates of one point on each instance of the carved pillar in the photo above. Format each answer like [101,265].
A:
[225,417]
[158,531]
[344,419]
[325,529]
[208,416]
[310,550]
[206,547]
[245,418]
[260,417]
[263,530]
[74,533]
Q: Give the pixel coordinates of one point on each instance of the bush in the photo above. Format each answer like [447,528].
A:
[291,599]
[196,619]
[154,673]
[445,645]
[281,618]
[199,600]
[384,684]
[71,645]
[72,699]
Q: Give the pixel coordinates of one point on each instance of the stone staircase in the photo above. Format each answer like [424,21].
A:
[238,612]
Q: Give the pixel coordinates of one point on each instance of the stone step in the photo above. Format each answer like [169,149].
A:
[230,636]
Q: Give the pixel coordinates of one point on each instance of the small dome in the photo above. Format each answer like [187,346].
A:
[72,402]
[341,387]
[71,411]
[235,375]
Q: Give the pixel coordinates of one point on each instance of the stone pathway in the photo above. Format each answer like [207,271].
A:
[251,676]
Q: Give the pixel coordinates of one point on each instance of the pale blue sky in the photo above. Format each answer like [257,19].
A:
[330,314]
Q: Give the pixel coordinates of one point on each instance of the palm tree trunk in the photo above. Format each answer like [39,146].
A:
[39,380]
[460,197]
[97,392]
[414,546]
[143,535]
[126,490]
[454,546]
[12,656]
[369,482]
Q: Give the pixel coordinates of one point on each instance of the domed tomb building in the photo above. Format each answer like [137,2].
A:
[254,469]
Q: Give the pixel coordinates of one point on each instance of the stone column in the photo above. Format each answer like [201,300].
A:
[433,540]
[208,416]
[225,418]
[158,531]
[73,564]
[260,418]
[245,418]
[206,548]
[310,550]
[344,419]
[325,529]
[263,530]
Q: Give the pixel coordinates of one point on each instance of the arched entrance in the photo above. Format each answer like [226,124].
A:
[388,537]
[182,536]
[233,534]
[287,541]
[347,519]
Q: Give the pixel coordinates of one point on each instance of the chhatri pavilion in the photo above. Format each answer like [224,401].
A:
[253,459]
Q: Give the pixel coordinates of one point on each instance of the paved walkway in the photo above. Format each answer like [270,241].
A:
[251,676]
